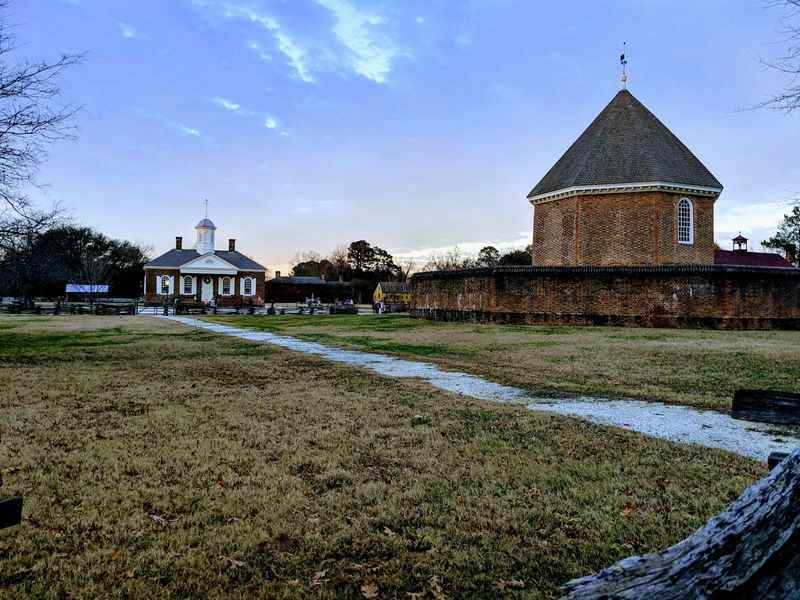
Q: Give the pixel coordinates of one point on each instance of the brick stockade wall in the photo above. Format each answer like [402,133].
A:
[678,296]
[636,228]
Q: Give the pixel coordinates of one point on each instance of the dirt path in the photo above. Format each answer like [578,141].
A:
[671,422]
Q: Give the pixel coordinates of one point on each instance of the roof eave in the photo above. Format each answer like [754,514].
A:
[618,188]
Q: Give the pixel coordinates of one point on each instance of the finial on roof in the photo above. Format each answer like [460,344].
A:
[624,62]
[205,210]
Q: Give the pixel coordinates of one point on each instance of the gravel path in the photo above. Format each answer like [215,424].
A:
[670,422]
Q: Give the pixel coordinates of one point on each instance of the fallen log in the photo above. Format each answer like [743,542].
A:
[775,458]
[10,512]
[751,550]
[766,406]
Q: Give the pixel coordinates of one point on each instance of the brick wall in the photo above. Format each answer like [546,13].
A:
[152,276]
[694,296]
[637,228]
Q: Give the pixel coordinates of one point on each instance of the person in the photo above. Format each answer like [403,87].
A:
[381,307]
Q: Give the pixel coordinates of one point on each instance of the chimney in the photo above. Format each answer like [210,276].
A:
[231,245]
[277,274]
[178,242]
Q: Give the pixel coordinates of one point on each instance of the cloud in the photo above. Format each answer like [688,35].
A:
[129,32]
[259,51]
[168,123]
[371,54]
[189,130]
[270,122]
[227,104]
[470,248]
[742,217]
[296,54]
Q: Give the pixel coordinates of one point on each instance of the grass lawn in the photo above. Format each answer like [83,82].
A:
[157,461]
[699,368]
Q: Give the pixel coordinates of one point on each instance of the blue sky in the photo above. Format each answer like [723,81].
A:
[417,125]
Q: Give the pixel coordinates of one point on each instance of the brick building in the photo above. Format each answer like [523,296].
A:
[202,273]
[623,234]
[628,192]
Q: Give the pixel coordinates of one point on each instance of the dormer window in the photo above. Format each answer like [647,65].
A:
[685,221]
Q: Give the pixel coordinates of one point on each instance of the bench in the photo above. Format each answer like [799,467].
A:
[766,406]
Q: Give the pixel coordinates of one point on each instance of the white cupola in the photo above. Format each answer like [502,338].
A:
[205,236]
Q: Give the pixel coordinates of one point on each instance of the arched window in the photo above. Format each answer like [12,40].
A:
[226,286]
[165,284]
[685,221]
[247,286]
[187,286]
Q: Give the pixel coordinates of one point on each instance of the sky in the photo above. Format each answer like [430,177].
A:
[417,125]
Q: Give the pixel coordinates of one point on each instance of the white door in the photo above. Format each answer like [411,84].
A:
[208,289]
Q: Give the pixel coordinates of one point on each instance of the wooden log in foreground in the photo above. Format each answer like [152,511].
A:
[10,512]
[766,406]
[775,458]
[752,550]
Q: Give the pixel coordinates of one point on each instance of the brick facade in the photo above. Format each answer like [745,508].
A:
[152,295]
[690,296]
[624,229]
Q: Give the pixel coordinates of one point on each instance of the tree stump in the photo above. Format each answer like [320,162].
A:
[751,550]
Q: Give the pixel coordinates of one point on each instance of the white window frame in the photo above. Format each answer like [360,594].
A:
[248,281]
[685,202]
[222,285]
[161,280]
[191,291]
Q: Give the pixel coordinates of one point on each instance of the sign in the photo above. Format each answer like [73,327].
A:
[85,288]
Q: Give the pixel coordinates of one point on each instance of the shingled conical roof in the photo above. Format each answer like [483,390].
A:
[625,144]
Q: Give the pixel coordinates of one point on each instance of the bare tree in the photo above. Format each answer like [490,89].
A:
[406,267]
[338,256]
[31,119]
[789,99]
[452,260]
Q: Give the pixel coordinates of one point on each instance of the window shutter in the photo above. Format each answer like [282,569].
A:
[171,285]
[194,285]
[219,285]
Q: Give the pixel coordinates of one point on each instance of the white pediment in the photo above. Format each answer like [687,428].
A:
[209,264]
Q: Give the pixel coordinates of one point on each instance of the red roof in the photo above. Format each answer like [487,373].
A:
[750,259]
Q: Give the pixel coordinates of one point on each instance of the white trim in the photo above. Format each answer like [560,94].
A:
[193,287]
[616,188]
[160,284]
[219,266]
[233,285]
[690,241]
[242,283]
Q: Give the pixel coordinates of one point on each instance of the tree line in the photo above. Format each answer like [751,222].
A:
[787,239]
[40,260]
[361,264]
[489,256]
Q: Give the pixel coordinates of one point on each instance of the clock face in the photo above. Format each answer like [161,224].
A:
[207,280]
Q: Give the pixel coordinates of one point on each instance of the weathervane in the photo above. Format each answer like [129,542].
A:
[624,62]
[205,210]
